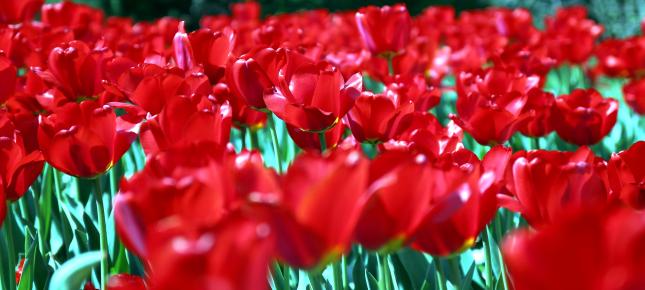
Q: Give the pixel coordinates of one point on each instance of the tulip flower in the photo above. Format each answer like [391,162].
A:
[586,249]
[311,96]
[149,86]
[634,94]
[462,203]
[490,104]
[74,69]
[570,35]
[373,115]
[547,184]
[234,254]
[310,142]
[415,89]
[84,139]
[211,50]
[19,168]
[14,11]
[584,117]
[8,73]
[188,185]
[185,121]
[318,218]
[384,30]
[252,74]
[399,189]
[243,115]
[627,175]
[541,123]
[422,133]
[126,282]
[184,57]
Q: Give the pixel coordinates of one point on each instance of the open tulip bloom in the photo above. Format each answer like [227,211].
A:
[366,149]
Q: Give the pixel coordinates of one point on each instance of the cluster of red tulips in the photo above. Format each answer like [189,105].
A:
[363,94]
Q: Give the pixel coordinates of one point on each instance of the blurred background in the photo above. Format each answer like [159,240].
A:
[621,18]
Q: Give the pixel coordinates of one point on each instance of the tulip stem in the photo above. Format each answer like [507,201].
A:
[536,143]
[11,249]
[255,144]
[390,65]
[385,272]
[489,259]
[315,281]
[323,142]
[338,276]
[274,140]
[441,275]
[243,134]
[100,211]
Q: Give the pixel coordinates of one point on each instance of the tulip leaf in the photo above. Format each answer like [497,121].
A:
[72,274]
[466,283]
[27,277]
[416,265]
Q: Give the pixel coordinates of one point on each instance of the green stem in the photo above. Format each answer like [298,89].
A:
[338,276]
[497,227]
[100,211]
[11,248]
[323,142]
[455,268]
[536,143]
[315,281]
[390,65]
[441,274]
[274,141]
[243,134]
[384,281]
[255,144]
[489,260]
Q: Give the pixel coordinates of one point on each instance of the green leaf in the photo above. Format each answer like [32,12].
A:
[74,272]
[27,278]
[466,284]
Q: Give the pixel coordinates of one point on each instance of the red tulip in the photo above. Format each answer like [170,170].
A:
[8,77]
[415,90]
[570,35]
[384,30]
[243,115]
[547,184]
[84,139]
[310,141]
[399,190]
[463,202]
[627,175]
[594,250]
[187,185]
[12,11]
[490,104]
[422,133]
[584,117]
[18,167]
[149,86]
[373,115]
[126,282]
[212,50]
[184,121]
[75,69]
[234,254]
[251,75]
[634,94]
[318,216]
[246,11]
[541,123]
[85,21]
[311,96]
[184,57]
